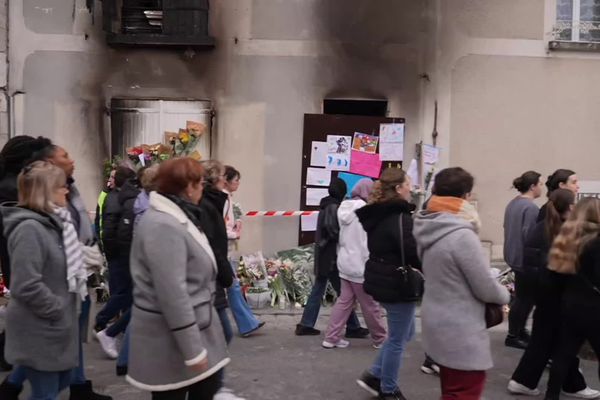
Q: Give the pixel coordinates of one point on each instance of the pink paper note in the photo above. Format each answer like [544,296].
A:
[365,164]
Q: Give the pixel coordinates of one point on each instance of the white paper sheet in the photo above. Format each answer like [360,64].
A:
[431,154]
[391,151]
[413,172]
[391,133]
[308,223]
[314,196]
[318,177]
[318,154]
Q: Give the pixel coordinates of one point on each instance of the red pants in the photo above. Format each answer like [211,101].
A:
[461,385]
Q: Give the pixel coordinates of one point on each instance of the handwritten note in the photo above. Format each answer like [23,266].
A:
[318,154]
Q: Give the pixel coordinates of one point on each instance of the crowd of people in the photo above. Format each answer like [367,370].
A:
[168,236]
[369,246]
[168,274]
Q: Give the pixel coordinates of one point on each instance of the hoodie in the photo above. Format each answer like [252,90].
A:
[42,317]
[141,204]
[352,247]
[458,284]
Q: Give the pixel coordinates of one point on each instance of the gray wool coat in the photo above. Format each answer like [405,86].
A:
[174,323]
[42,330]
[458,284]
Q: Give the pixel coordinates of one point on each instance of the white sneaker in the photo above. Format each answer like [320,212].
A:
[587,393]
[108,344]
[341,344]
[226,394]
[515,387]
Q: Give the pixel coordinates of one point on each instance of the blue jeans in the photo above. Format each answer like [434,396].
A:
[123,359]
[401,329]
[228,332]
[313,304]
[18,375]
[226,324]
[121,293]
[47,385]
[242,314]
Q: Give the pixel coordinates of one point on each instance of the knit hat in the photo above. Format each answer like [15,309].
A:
[363,189]
[17,152]
[337,189]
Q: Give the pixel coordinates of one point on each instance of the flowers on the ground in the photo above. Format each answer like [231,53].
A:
[287,274]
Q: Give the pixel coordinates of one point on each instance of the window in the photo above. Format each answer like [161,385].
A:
[578,20]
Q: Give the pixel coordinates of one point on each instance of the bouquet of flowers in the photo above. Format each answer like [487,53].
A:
[184,142]
[145,155]
[251,271]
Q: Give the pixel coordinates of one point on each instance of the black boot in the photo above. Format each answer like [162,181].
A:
[85,391]
[4,366]
[9,391]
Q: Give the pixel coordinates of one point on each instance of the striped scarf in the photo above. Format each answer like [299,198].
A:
[76,273]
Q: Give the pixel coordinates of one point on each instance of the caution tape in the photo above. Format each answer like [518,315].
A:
[280,213]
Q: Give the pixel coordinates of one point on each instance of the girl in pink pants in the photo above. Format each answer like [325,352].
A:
[351,258]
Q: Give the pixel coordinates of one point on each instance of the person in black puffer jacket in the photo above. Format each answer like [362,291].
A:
[576,252]
[548,293]
[381,220]
[119,279]
[326,240]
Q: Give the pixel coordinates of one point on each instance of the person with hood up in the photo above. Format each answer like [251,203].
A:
[458,284]
[326,240]
[49,281]
[388,222]
[351,258]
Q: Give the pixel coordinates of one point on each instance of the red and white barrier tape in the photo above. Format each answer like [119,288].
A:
[280,213]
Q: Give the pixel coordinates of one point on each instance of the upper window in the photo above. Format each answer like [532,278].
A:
[578,20]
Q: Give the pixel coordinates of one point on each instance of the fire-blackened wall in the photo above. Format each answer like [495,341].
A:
[274,61]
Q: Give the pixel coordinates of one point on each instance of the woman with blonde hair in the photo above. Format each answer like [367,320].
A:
[576,253]
[48,281]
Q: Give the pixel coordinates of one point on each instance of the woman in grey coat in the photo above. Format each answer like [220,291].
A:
[177,342]
[48,281]
[458,284]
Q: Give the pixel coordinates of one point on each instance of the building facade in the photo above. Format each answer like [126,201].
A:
[506,102]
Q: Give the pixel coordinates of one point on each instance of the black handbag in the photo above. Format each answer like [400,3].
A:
[390,283]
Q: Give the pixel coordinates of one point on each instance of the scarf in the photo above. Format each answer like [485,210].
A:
[76,272]
[457,206]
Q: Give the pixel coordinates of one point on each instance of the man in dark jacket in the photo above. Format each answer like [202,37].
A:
[326,239]
[120,283]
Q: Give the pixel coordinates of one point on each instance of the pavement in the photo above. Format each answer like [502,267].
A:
[275,364]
